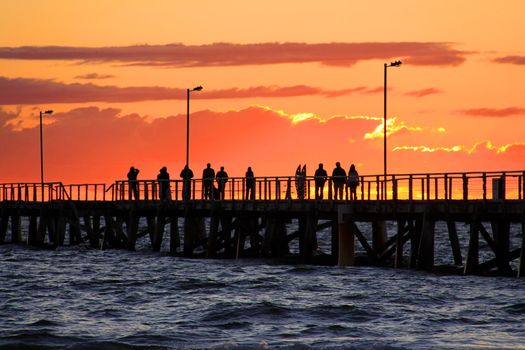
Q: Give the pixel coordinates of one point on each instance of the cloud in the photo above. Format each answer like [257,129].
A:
[518,60]
[228,54]
[423,92]
[392,127]
[493,112]
[94,76]
[99,145]
[35,91]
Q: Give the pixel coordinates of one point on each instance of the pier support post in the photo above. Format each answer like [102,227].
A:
[415,238]
[454,242]
[4,219]
[310,241]
[109,232]
[132,228]
[398,262]
[174,235]
[335,241]
[32,231]
[521,266]
[16,228]
[426,245]
[213,235]
[379,235]
[501,233]
[472,262]
[158,233]
[346,244]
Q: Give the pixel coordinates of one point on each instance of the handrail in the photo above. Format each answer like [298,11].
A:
[419,186]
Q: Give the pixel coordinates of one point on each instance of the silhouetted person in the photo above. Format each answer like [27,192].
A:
[164,183]
[208,175]
[250,184]
[132,181]
[353,182]
[186,174]
[319,179]
[338,179]
[222,178]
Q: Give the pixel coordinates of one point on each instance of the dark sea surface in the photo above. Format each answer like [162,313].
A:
[82,298]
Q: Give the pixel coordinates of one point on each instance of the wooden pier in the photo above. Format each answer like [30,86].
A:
[106,217]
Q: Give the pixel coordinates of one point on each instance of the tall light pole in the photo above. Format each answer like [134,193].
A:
[42,154]
[392,64]
[198,88]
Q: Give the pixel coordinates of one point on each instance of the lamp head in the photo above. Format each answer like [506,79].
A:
[48,112]
[198,88]
[395,64]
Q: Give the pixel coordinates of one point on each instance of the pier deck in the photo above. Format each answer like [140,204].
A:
[236,227]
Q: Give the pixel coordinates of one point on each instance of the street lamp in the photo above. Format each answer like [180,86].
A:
[42,153]
[392,64]
[198,88]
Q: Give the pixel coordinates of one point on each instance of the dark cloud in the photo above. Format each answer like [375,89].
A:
[494,112]
[227,54]
[94,76]
[518,60]
[423,92]
[35,91]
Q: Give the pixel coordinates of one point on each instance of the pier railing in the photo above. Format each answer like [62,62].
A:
[495,185]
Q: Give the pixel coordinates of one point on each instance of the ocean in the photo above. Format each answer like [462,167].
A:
[82,298]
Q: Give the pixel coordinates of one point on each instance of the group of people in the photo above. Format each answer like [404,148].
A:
[208,175]
[339,177]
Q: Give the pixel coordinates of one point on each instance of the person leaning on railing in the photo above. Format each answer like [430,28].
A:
[164,183]
[132,181]
[353,182]
[222,178]
[338,180]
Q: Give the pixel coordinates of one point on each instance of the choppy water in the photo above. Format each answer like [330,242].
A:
[79,298]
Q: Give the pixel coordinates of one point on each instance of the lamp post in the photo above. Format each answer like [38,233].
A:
[392,64]
[198,88]
[42,154]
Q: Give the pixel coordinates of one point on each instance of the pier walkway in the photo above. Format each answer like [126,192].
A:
[491,203]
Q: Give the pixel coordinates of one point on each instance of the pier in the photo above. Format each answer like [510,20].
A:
[108,217]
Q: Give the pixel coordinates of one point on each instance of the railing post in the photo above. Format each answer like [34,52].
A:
[436,192]
[428,187]
[465,187]
[523,184]
[265,188]
[330,189]
[377,188]
[450,189]
[277,189]
[362,188]
[369,189]
[394,188]
[445,179]
[423,188]
[146,191]
[410,187]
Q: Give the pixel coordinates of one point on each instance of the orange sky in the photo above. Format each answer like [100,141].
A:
[285,82]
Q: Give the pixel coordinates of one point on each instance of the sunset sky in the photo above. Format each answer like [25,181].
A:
[285,82]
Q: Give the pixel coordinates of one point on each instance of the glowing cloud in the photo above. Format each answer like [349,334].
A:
[392,127]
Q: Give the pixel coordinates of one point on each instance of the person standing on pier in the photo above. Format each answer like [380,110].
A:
[132,179]
[250,184]
[164,183]
[208,175]
[320,179]
[222,178]
[338,179]
[353,182]
[186,174]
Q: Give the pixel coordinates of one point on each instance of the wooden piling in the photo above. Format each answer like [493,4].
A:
[521,264]
[501,233]
[425,259]
[454,242]
[16,228]
[379,235]
[398,262]
[472,261]
[346,256]
[174,235]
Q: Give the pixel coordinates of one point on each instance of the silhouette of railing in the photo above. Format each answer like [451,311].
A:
[495,185]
